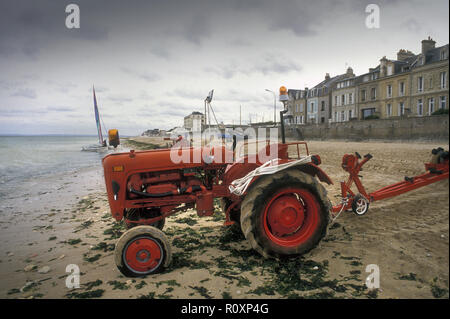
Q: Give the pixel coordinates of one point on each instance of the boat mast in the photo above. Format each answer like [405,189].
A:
[97,119]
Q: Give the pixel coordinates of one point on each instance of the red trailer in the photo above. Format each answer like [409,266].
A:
[436,170]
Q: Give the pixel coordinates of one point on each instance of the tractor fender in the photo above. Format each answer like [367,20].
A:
[308,168]
[314,170]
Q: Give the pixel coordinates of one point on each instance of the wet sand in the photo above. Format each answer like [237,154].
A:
[406,236]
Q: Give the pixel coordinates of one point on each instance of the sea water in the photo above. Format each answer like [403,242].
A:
[46,170]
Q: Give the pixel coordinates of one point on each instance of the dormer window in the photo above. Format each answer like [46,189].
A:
[443,54]
[389,70]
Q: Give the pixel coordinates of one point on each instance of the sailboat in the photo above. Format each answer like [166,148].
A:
[101,146]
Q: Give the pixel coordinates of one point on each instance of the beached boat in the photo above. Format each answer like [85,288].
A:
[101,146]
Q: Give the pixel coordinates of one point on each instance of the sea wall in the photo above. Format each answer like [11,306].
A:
[411,128]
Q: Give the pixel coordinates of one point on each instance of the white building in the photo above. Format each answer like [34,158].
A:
[194,121]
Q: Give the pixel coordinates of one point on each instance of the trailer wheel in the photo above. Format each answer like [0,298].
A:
[141,251]
[285,214]
[136,214]
[360,205]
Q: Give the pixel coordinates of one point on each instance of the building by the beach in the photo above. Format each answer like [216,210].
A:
[410,85]
[194,121]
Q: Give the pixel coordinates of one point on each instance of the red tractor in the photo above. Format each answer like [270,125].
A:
[282,212]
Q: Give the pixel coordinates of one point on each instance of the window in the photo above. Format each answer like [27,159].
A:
[350,98]
[301,107]
[401,109]
[420,84]
[335,100]
[363,95]
[443,102]
[389,90]
[336,117]
[389,70]
[322,108]
[368,112]
[401,89]
[431,83]
[443,80]
[430,105]
[342,99]
[419,107]
[443,54]
[350,114]
[388,110]
[342,116]
[373,93]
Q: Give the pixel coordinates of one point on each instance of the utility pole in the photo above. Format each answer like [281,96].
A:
[274,106]
[240,114]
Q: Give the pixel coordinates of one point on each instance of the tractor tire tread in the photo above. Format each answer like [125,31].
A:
[257,189]
[135,232]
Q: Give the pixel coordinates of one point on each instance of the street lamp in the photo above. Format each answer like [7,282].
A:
[274,106]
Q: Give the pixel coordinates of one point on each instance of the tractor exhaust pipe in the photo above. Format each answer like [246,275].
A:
[283,136]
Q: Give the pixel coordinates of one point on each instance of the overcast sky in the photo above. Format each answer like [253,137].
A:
[153,62]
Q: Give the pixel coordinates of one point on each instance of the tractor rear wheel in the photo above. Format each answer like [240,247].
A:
[141,251]
[285,214]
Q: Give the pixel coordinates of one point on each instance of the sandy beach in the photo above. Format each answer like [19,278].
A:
[406,236]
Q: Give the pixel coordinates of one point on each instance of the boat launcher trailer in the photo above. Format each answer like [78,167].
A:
[436,170]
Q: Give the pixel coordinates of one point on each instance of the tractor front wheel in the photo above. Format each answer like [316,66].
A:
[235,214]
[141,251]
[285,214]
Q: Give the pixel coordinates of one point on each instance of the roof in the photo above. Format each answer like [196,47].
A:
[296,94]
[434,55]
[327,83]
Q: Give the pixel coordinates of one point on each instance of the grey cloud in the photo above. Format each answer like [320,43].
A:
[29,26]
[143,75]
[60,109]
[188,94]
[119,98]
[160,51]
[99,89]
[23,112]
[266,64]
[25,92]
[197,29]
[412,25]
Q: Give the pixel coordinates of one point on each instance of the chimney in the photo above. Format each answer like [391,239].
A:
[327,76]
[402,55]
[350,71]
[427,45]
[383,66]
